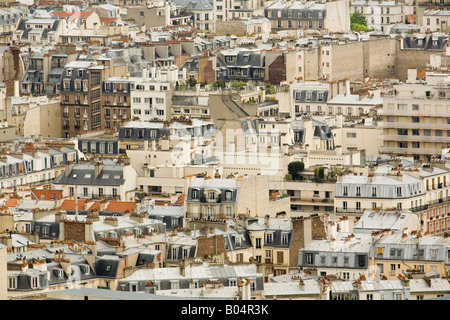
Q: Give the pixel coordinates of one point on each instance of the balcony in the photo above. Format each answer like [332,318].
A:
[419,208]
[410,150]
[419,138]
[414,125]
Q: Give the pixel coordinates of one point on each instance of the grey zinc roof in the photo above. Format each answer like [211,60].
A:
[68,294]
[379,220]
[436,284]
[354,99]
[312,287]
[174,211]
[84,175]
[214,183]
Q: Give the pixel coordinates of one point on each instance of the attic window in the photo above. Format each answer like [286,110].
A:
[108,268]
[59,273]
[269,238]
[105,176]
[117,177]
[74,175]
[84,268]
[87,176]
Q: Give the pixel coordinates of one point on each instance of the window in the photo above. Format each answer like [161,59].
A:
[361,260]
[358,206]
[211,195]
[374,191]
[358,191]
[12,282]
[399,191]
[369,296]
[195,194]
[345,189]
[209,212]
[269,238]
[284,238]
[228,212]
[34,282]
[258,243]
[309,258]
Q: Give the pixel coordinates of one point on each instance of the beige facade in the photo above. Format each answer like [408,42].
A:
[149,17]
[436,21]
[359,138]
[415,119]
[43,119]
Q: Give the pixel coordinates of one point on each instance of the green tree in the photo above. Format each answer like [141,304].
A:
[319,174]
[191,82]
[294,168]
[358,22]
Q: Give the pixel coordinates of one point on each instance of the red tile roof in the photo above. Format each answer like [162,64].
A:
[95,206]
[180,199]
[46,194]
[62,14]
[72,14]
[107,20]
[11,203]
[70,205]
[122,206]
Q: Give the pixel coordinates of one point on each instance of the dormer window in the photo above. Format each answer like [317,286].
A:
[195,194]
[59,273]
[228,195]
[269,238]
[84,268]
[237,241]
[211,195]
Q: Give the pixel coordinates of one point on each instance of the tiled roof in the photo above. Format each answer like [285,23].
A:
[120,206]
[46,194]
[11,203]
[95,206]
[70,205]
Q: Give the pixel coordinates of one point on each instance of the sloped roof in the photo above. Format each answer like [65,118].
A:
[47,194]
[121,206]
[70,205]
[11,203]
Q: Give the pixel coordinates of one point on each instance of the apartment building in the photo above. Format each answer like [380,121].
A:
[214,198]
[97,180]
[436,21]
[43,74]
[236,9]
[39,28]
[414,118]
[358,136]
[321,60]
[8,21]
[98,144]
[151,96]
[309,98]
[391,190]
[354,105]
[116,101]
[35,164]
[332,16]
[409,253]
[382,15]
[345,256]
[81,94]
[422,6]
